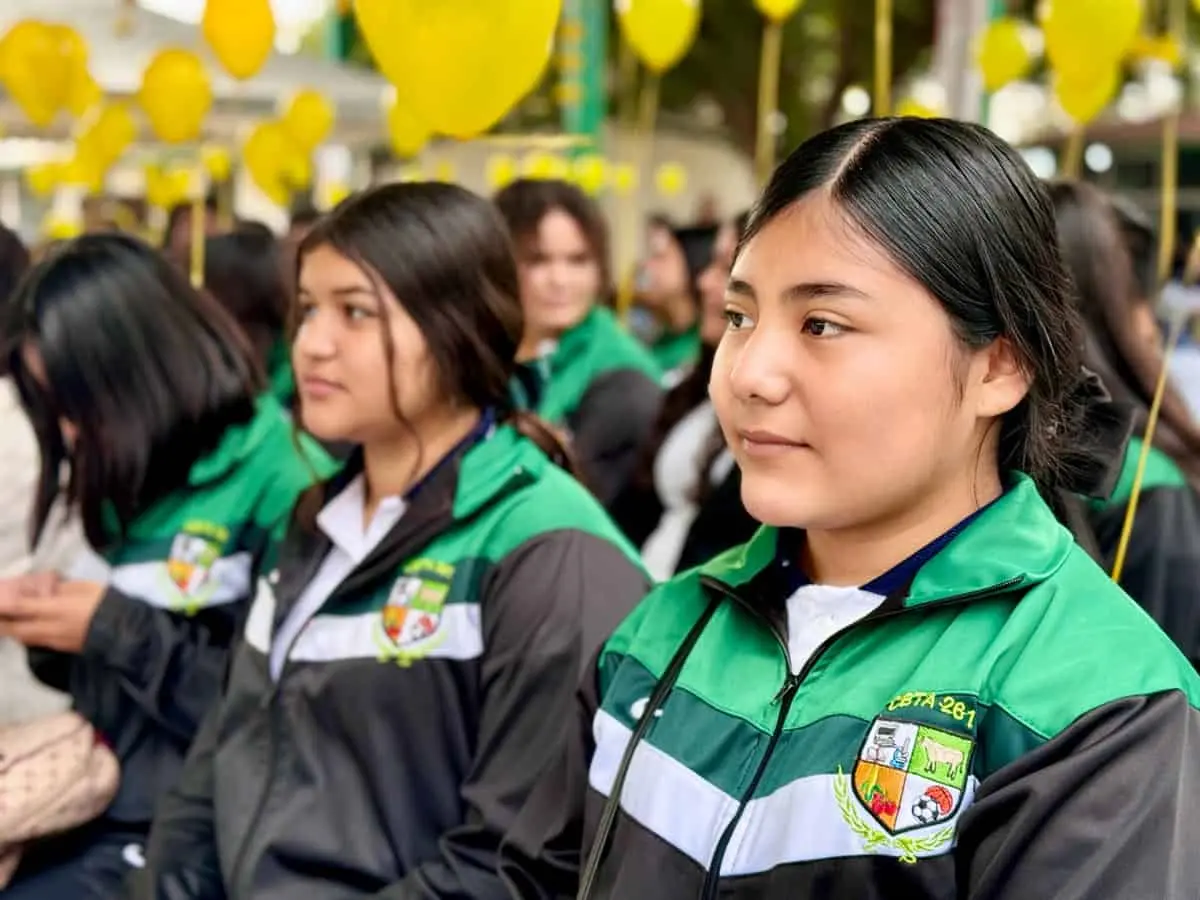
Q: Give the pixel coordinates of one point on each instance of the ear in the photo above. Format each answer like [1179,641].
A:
[1002,381]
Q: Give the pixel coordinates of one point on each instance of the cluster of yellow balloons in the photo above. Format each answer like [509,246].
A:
[660,32]
[407,134]
[1086,43]
[592,173]
[278,153]
[44,68]
[168,186]
[460,66]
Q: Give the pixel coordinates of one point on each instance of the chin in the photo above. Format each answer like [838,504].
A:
[776,504]
[326,427]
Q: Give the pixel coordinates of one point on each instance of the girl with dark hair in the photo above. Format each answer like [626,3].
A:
[407,670]
[668,289]
[144,391]
[1162,564]
[911,682]
[244,271]
[594,380]
[683,504]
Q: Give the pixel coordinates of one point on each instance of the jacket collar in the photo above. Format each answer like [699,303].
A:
[1015,543]
[239,442]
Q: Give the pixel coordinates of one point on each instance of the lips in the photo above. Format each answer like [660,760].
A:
[768,439]
[318,387]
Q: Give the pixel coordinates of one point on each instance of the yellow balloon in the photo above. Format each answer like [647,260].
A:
[544,166]
[777,10]
[44,178]
[275,164]
[625,178]
[445,171]
[408,134]
[1083,101]
[460,65]
[176,95]
[501,170]
[85,170]
[308,118]
[57,228]
[590,173]
[1085,37]
[670,179]
[1002,54]
[216,163]
[240,33]
[107,132]
[41,63]
[84,94]
[916,109]
[659,31]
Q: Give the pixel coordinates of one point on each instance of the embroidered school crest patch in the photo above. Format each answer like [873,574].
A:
[193,552]
[910,775]
[413,612]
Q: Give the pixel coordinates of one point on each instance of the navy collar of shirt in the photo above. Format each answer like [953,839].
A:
[481,431]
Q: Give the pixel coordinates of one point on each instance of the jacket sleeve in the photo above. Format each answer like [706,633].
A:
[1104,811]
[549,605]
[181,852]
[613,420]
[170,665]
[541,856]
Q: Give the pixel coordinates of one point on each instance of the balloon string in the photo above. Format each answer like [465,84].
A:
[768,99]
[883,57]
[1160,389]
[646,120]
[1073,152]
[198,229]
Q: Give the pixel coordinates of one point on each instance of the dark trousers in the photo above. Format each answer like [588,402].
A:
[90,863]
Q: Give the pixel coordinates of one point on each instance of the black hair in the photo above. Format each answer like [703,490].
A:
[1095,247]
[960,211]
[243,270]
[304,215]
[149,371]
[254,226]
[446,256]
[526,201]
[1140,242]
[14,261]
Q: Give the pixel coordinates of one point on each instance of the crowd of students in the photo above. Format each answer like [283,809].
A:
[392,563]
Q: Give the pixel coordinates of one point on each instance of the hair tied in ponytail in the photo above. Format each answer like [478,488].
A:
[1103,430]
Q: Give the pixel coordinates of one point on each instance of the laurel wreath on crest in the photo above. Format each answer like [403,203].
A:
[872,838]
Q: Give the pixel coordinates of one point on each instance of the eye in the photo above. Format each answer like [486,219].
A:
[358,313]
[737,320]
[817,327]
[306,307]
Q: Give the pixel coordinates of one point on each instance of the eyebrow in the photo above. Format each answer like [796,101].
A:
[805,290]
[343,292]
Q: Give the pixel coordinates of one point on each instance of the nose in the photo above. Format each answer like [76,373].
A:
[763,367]
[317,336]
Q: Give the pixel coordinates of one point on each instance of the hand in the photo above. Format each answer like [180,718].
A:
[35,584]
[57,621]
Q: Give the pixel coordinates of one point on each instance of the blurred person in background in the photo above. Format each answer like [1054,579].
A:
[595,381]
[683,505]
[144,391]
[1111,264]
[177,236]
[667,289]
[244,271]
[22,697]
[406,672]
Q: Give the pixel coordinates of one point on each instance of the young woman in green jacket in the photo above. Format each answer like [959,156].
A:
[911,683]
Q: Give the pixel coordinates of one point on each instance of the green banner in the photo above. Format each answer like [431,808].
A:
[582,62]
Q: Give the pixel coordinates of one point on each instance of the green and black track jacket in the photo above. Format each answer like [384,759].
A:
[1008,725]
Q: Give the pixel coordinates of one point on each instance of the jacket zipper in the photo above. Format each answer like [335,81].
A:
[260,807]
[787,694]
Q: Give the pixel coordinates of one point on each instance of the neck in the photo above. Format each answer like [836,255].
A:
[855,556]
[678,314]
[392,467]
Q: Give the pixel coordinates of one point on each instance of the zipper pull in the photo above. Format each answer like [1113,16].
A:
[790,684]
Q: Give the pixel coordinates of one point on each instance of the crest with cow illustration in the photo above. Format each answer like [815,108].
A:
[909,775]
